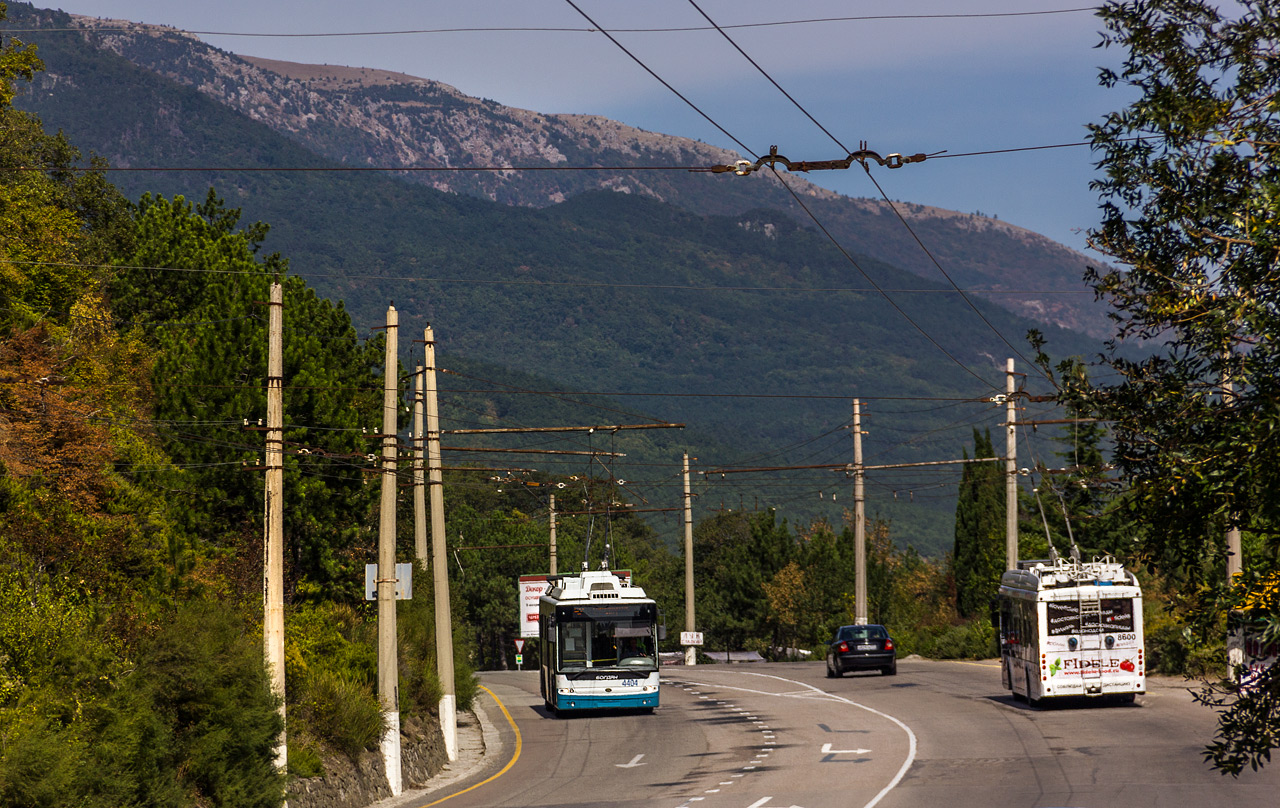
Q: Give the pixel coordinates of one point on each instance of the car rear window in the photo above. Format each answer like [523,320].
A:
[862,633]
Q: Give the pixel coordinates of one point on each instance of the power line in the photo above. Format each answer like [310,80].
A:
[148,28]
[574,284]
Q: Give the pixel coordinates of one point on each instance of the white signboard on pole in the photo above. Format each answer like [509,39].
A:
[532,587]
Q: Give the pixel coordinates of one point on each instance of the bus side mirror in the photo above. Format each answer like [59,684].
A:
[662,631]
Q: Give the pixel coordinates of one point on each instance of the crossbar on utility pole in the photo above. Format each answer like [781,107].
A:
[848,467]
[531,451]
[515,430]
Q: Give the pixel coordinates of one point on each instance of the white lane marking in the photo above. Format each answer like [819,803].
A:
[635,761]
[827,750]
[823,695]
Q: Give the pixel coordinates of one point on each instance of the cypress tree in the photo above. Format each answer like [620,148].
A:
[978,557]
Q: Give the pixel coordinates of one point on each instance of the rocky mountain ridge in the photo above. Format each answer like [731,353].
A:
[368,117]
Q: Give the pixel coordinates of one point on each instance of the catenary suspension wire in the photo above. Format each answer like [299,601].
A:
[888,201]
[765,73]
[793,194]
[950,280]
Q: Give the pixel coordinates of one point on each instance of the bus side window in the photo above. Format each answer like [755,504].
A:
[573,648]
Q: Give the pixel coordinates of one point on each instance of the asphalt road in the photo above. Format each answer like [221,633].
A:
[780,735]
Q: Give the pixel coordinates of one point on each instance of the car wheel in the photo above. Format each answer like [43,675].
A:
[890,670]
[830,675]
[839,673]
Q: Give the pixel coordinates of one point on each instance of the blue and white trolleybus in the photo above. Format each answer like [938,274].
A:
[599,638]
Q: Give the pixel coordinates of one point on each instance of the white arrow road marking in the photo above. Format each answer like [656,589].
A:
[635,761]
[761,802]
[827,750]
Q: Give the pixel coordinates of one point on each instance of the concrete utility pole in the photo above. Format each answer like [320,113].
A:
[419,473]
[1010,470]
[1235,557]
[439,561]
[551,507]
[690,651]
[859,521]
[273,550]
[388,666]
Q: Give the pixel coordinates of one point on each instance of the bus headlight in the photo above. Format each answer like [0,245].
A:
[1111,642]
[1072,644]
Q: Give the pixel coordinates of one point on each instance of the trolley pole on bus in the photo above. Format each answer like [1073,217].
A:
[1010,470]
[388,666]
[690,651]
[859,521]
[439,559]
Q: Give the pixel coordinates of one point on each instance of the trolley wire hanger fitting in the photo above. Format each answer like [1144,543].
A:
[744,167]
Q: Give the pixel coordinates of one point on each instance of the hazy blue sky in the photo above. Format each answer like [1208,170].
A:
[902,85]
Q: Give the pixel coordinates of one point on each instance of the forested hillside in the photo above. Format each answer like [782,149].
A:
[702,317]
[367,117]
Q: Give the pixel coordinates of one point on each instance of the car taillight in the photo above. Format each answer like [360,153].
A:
[888,645]
[844,647]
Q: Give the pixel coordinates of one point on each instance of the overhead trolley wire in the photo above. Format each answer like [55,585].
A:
[794,196]
[663,81]
[865,166]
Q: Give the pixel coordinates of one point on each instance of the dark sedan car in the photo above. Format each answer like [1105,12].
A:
[860,648]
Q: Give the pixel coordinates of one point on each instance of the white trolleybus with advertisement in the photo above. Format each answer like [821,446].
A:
[1071,628]
[599,641]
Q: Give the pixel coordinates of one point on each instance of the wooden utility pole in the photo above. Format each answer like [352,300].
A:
[859,521]
[551,507]
[273,550]
[690,651]
[439,560]
[1010,469]
[419,474]
[388,666]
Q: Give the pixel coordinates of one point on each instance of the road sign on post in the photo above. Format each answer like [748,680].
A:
[691,638]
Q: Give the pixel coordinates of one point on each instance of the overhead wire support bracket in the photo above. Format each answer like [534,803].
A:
[744,167]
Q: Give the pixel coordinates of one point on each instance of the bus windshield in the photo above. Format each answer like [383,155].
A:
[607,637]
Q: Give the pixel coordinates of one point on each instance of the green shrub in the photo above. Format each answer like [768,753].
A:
[304,761]
[975,639]
[343,711]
